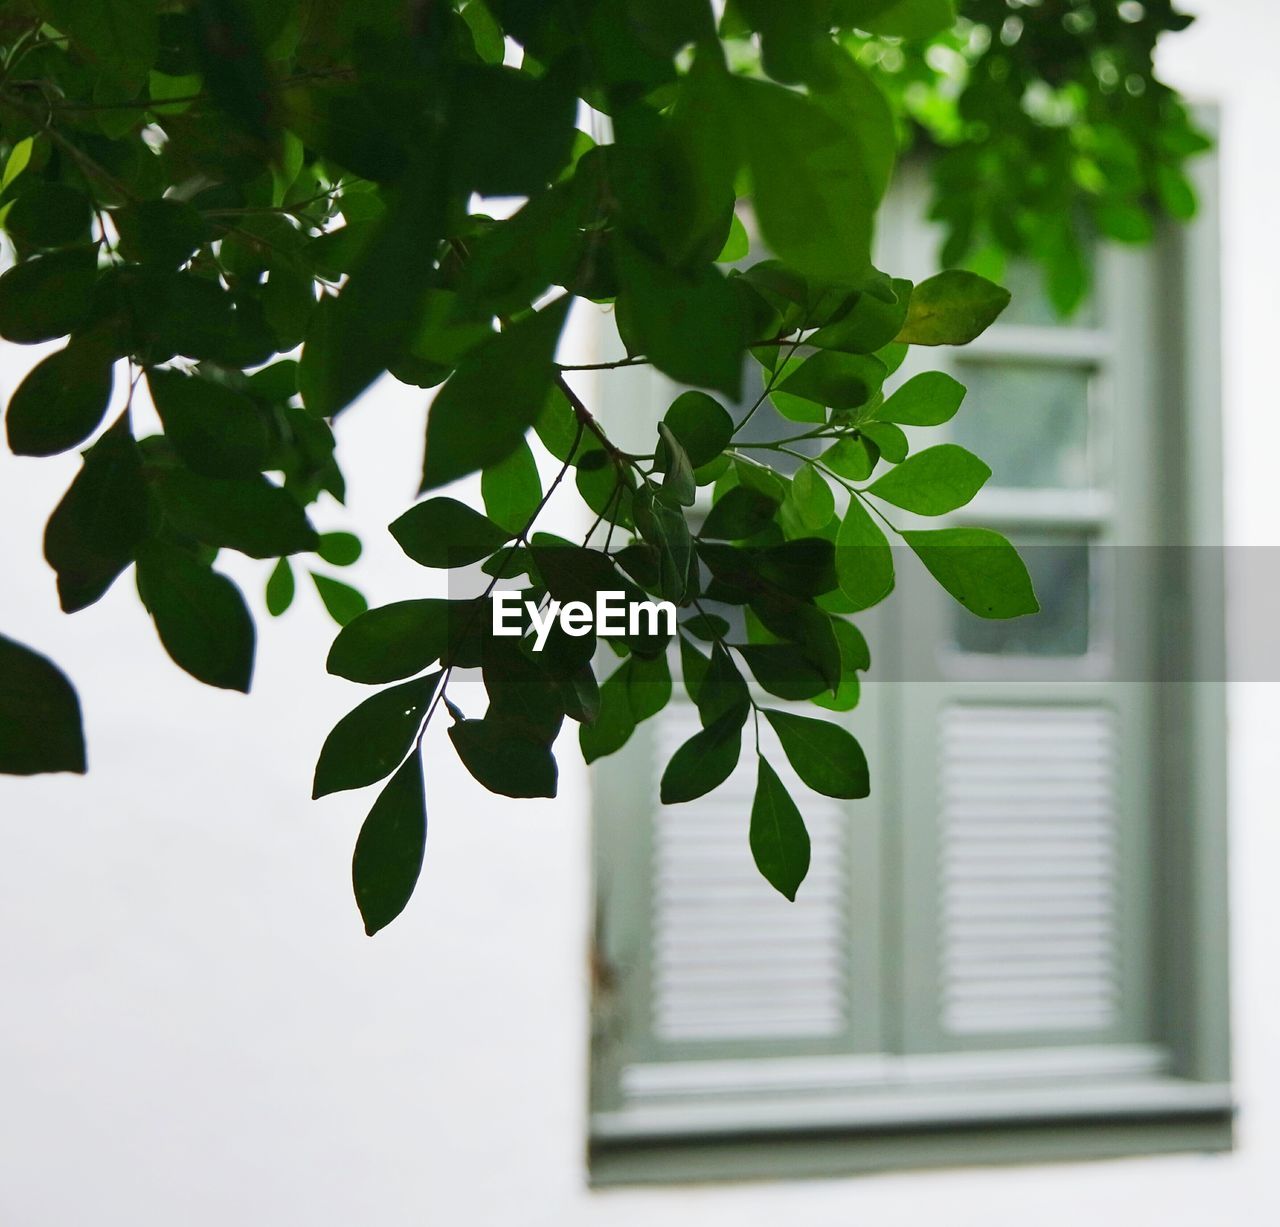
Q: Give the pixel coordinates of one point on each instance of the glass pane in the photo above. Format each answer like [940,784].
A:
[1028,421]
[1029,304]
[1060,574]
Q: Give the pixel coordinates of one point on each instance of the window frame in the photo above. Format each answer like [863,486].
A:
[691,1125]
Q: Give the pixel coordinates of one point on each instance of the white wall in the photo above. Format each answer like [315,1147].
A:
[194,1030]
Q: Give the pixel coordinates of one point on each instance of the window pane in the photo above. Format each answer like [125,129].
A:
[1028,421]
[1060,573]
[1029,304]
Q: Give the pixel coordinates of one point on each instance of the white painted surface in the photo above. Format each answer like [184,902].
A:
[194,1030]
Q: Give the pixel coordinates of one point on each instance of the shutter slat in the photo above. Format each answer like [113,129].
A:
[1028,869]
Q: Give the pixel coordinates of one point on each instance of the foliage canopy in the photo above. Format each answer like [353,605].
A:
[249,210]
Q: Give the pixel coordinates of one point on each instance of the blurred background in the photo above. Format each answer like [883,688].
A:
[1017,955]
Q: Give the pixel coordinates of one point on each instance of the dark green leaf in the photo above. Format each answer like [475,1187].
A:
[481,415]
[218,432]
[688,323]
[837,380]
[40,727]
[673,462]
[740,513]
[95,531]
[705,761]
[353,338]
[280,588]
[118,36]
[952,308]
[934,481]
[779,840]
[251,515]
[62,400]
[702,425]
[706,626]
[786,670]
[161,232]
[979,568]
[371,741]
[48,296]
[504,759]
[813,194]
[343,602]
[854,456]
[392,641]
[721,688]
[825,756]
[390,848]
[889,439]
[50,215]
[512,489]
[443,532]
[339,549]
[200,616]
[864,561]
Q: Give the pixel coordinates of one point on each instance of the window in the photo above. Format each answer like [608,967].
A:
[1015,947]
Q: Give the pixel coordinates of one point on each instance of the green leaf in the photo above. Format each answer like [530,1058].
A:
[979,568]
[738,514]
[339,549]
[853,657]
[869,325]
[952,308]
[672,461]
[854,456]
[721,688]
[390,848]
[701,424]
[786,670]
[94,532]
[615,721]
[216,431]
[825,756]
[251,515]
[779,840]
[200,616]
[706,626]
[280,588]
[888,438]
[737,245]
[162,232]
[837,380]
[443,532]
[689,323]
[504,759]
[392,641]
[928,399]
[372,740]
[814,195]
[511,131]
[812,497]
[864,561]
[48,296]
[343,602]
[911,19]
[117,36]
[512,489]
[705,761]
[40,727]
[50,215]
[934,481]
[62,400]
[481,415]
[354,337]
